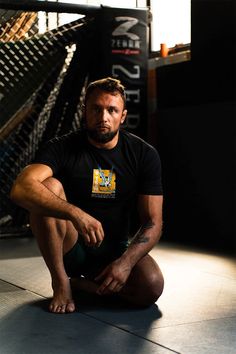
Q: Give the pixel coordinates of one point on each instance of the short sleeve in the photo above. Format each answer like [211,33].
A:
[52,155]
[150,172]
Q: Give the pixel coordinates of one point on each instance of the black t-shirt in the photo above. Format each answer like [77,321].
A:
[104,183]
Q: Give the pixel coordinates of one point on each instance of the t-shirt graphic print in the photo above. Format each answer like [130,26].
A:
[104,183]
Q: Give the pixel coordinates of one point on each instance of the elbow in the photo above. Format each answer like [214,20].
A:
[15,194]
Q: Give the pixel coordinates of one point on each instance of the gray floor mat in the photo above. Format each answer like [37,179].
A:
[28,273]
[195,314]
[27,328]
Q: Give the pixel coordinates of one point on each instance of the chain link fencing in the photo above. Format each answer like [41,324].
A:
[43,74]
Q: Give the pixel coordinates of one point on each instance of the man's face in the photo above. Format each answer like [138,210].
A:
[104,113]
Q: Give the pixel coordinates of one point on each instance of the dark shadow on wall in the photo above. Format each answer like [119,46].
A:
[196,133]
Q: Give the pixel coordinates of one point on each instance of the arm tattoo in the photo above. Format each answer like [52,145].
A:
[140,237]
[148,225]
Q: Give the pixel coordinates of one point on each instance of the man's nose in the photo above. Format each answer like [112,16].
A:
[103,115]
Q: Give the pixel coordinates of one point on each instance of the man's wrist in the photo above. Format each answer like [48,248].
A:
[128,259]
[74,213]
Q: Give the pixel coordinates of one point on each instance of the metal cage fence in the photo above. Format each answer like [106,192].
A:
[42,80]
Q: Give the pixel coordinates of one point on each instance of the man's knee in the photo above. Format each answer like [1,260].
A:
[153,288]
[145,287]
[55,186]
[151,281]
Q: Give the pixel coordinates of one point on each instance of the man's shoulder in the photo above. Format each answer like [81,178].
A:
[130,137]
[68,139]
[134,140]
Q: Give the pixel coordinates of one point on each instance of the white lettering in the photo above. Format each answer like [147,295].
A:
[123,28]
[132,121]
[124,43]
[133,95]
[116,68]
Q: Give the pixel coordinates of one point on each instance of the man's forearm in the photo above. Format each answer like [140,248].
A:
[143,241]
[37,198]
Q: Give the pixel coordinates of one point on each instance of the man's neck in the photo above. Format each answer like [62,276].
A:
[107,146]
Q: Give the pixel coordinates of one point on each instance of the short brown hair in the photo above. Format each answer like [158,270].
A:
[108,84]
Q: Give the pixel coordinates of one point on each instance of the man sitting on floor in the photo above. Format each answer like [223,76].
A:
[81,191]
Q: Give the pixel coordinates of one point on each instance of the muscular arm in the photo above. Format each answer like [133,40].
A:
[29,192]
[150,210]
[115,275]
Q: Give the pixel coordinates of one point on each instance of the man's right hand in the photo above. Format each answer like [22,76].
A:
[89,228]
[30,193]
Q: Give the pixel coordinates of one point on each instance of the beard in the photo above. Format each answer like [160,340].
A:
[99,137]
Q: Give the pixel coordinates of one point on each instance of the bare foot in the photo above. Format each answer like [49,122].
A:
[62,301]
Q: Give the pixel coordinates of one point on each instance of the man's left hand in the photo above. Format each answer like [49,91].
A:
[113,277]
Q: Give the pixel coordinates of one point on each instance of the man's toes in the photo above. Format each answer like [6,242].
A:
[62,308]
[52,307]
[57,309]
[65,308]
[70,307]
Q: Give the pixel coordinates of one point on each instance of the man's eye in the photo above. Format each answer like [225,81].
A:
[96,109]
[112,110]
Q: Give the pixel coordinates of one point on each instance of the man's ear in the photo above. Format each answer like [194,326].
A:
[124,114]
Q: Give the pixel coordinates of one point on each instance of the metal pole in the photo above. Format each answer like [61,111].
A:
[48,6]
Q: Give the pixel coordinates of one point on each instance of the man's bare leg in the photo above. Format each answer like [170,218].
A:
[143,287]
[55,237]
[145,283]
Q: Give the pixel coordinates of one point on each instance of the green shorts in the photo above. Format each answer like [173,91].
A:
[89,261]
